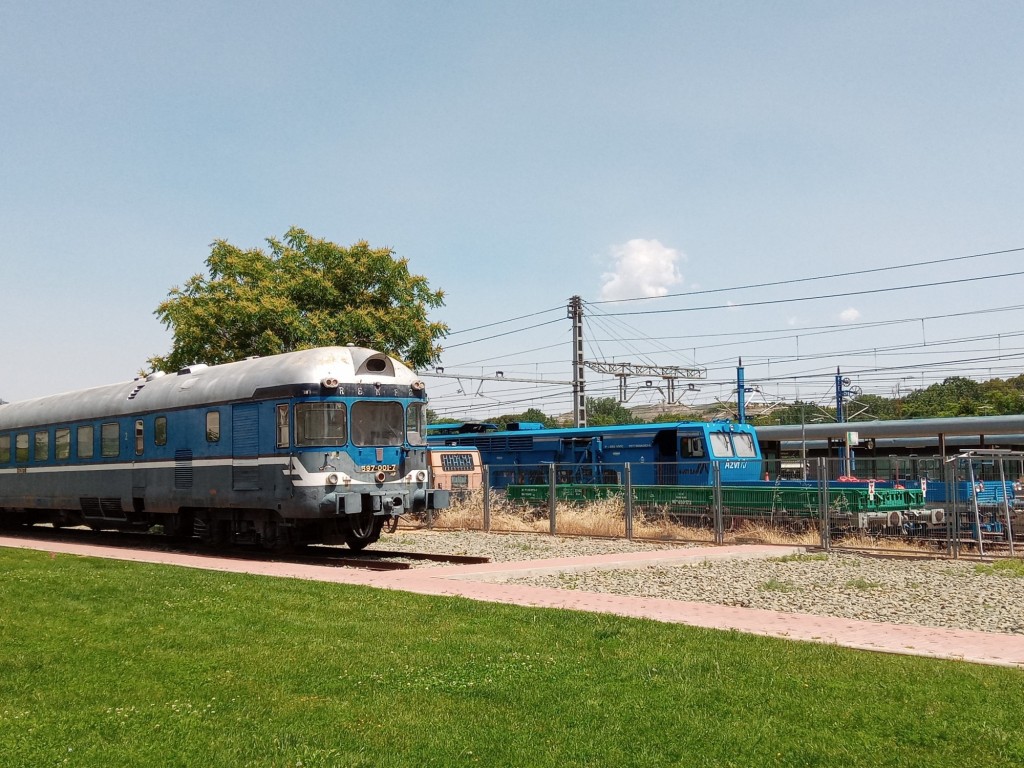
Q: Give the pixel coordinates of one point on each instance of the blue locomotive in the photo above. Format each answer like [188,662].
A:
[321,445]
[658,454]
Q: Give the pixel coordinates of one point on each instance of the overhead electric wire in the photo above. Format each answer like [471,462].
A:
[499,335]
[796,299]
[833,276]
[818,330]
[510,320]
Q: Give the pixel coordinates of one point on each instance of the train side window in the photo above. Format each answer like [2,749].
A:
[720,444]
[744,444]
[110,445]
[691,448]
[160,430]
[62,444]
[212,426]
[86,448]
[416,424]
[140,437]
[42,445]
[5,449]
[282,426]
[21,447]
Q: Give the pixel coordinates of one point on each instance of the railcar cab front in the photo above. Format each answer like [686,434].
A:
[360,450]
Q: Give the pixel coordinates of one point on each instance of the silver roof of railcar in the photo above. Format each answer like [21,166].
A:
[200,384]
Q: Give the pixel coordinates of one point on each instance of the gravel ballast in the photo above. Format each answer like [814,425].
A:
[952,594]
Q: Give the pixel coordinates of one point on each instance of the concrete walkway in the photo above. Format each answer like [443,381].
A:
[478,582]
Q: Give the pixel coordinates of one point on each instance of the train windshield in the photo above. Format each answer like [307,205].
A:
[320,424]
[721,446]
[745,446]
[377,423]
[416,424]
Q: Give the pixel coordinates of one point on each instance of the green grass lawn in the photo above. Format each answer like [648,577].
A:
[106,663]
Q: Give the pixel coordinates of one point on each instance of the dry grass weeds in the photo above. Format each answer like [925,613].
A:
[604,519]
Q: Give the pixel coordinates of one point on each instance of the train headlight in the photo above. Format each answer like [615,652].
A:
[421,476]
[332,479]
[381,477]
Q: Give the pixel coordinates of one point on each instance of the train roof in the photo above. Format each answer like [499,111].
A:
[961,425]
[461,427]
[608,430]
[201,384]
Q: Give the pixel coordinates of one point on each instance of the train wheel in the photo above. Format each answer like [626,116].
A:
[364,529]
[214,532]
[181,527]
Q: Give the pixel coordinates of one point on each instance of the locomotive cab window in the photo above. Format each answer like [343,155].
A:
[744,444]
[721,446]
[416,424]
[691,447]
[377,424]
[5,449]
[212,426]
[319,424]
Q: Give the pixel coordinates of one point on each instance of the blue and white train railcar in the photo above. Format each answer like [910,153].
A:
[321,445]
[682,453]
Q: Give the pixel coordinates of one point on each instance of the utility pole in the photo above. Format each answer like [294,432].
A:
[741,393]
[579,399]
[846,452]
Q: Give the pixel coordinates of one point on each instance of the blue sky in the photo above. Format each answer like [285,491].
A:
[517,155]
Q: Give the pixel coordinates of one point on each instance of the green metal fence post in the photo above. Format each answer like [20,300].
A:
[823,508]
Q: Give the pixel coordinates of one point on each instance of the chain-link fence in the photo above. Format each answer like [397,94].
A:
[969,504]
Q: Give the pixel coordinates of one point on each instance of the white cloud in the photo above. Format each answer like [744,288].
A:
[641,269]
[850,315]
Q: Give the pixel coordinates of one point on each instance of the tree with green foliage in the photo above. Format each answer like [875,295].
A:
[532,415]
[607,411]
[955,396]
[306,292]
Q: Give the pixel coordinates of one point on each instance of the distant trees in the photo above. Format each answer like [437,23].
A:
[604,411]
[306,292]
[955,396]
[529,415]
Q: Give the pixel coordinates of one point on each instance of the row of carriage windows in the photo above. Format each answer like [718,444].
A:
[316,424]
[84,438]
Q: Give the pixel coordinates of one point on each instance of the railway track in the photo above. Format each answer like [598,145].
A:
[320,555]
